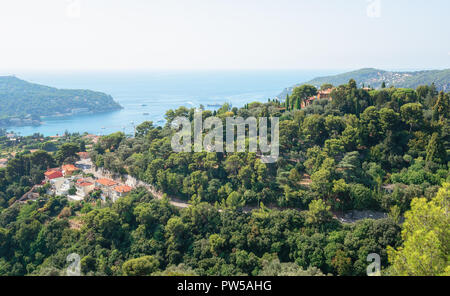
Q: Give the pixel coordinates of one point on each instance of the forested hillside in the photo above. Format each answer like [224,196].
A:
[385,150]
[23,102]
[344,151]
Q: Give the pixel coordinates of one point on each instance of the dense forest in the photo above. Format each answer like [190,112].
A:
[28,102]
[383,150]
[342,151]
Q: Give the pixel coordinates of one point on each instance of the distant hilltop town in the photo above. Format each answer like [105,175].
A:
[375,78]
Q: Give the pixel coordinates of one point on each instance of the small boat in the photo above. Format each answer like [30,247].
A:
[143,105]
[214,105]
[146,114]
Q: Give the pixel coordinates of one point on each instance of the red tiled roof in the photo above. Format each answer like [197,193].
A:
[70,167]
[123,189]
[53,174]
[83,154]
[326,92]
[106,182]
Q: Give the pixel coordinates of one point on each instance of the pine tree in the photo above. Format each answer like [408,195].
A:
[425,249]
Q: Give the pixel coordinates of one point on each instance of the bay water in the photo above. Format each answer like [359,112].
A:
[146,96]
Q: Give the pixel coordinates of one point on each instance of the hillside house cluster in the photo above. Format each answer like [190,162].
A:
[63,180]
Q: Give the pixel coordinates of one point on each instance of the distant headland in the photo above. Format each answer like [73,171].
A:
[24,104]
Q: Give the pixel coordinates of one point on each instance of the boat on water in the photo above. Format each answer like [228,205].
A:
[146,114]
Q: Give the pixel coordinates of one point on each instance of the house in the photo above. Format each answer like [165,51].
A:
[62,186]
[106,185]
[93,138]
[389,188]
[321,95]
[84,188]
[69,169]
[53,174]
[120,191]
[3,162]
[83,155]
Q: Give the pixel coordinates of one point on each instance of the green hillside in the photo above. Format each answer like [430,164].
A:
[23,103]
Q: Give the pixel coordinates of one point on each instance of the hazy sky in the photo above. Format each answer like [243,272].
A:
[223,34]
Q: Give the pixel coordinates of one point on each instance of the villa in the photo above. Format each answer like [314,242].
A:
[106,185]
[53,174]
[84,188]
[69,169]
[120,191]
[321,95]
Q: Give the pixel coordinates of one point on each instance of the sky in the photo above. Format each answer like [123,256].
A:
[88,35]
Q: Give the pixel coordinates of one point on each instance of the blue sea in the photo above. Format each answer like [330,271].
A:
[146,96]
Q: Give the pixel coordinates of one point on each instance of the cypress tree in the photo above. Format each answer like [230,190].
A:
[442,106]
[297,104]
[436,150]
